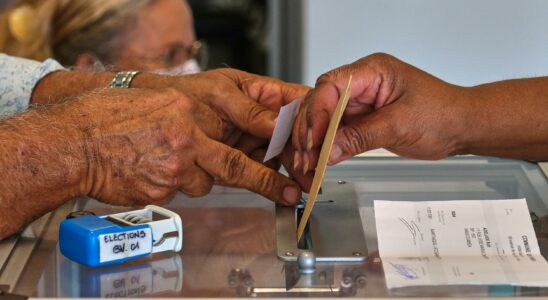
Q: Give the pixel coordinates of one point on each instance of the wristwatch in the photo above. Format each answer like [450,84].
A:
[123,79]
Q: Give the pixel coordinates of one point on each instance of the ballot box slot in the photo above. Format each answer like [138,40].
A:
[334,231]
[305,243]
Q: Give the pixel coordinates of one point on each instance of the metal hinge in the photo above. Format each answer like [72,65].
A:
[9,296]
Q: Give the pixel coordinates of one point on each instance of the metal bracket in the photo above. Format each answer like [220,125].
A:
[335,232]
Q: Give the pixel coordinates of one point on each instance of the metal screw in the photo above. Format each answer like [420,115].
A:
[248,282]
[289,253]
[341,182]
[232,283]
[356,253]
[361,281]
[346,282]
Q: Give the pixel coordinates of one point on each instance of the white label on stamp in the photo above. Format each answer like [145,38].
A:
[282,130]
[114,246]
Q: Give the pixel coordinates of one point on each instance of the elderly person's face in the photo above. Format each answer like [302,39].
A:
[163,38]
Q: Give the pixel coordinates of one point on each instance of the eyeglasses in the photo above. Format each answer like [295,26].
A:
[178,54]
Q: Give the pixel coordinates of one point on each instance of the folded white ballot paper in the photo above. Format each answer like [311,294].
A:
[282,130]
[489,242]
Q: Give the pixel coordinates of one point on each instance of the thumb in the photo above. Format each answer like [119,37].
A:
[234,168]
[370,132]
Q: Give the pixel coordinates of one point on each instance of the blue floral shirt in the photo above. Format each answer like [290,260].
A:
[18,76]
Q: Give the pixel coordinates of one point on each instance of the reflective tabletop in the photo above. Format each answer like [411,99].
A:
[229,246]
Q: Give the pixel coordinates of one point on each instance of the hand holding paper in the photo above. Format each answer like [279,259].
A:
[393,105]
[324,155]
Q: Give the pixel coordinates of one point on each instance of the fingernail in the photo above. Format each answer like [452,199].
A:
[296,160]
[291,194]
[335,154]
[309,140]
[305,162]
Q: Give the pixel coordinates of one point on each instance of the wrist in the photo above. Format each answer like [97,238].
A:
[71,143]
[49,155]
[59,85]
[75,149]
[469,123]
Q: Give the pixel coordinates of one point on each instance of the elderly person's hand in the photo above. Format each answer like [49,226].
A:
[248,105]
[264,92]
[245,101]
[272,94]
[124,147]
[143,145]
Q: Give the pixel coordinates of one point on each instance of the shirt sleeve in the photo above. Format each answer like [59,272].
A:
[18,76]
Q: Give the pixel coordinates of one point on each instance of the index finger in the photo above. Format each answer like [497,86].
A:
[235,168]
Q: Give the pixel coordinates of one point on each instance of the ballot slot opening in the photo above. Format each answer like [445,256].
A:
[334,232]
[305,243]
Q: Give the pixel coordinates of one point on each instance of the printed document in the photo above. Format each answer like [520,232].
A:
[488,242]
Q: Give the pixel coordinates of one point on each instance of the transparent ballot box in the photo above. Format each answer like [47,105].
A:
[233,244]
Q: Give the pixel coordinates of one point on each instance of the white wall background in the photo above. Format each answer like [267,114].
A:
[462,41]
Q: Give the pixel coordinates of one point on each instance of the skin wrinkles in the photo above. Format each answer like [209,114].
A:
[414,114]
[141,145]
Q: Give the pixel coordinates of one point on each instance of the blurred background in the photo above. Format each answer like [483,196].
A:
[464,42]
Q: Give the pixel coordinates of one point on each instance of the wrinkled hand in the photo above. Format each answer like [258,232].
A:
[248,105]
[144,145]
[392,105]
[245,102]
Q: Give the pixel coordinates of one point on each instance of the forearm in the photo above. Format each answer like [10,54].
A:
[509,119]
[42,159]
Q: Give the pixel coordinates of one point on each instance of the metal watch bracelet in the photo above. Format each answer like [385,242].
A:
[123,79]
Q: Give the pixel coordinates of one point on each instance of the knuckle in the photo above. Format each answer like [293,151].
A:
[171,92]
[375,60]
[381,61]
[325,77]
[184,139]
[202,189]
[255,112]
[265,183]
[220,89]
[184,103]
[171,168]
[380,56]
[198,186]
[234,166]
[355,140]
[398,132]
[156,195]
[173,180]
